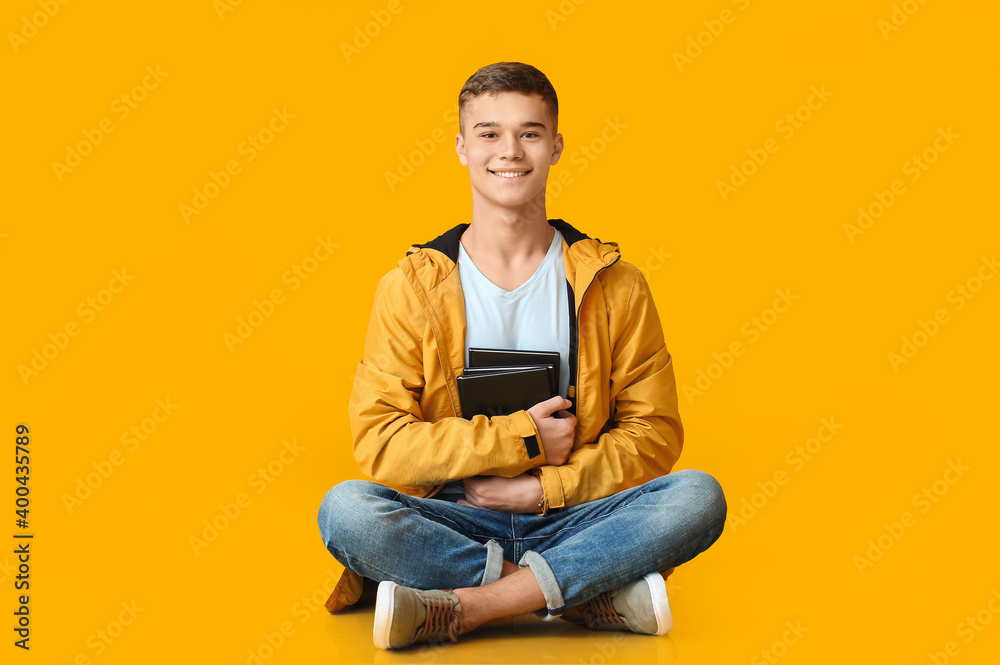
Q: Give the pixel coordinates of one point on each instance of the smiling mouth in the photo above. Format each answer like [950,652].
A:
[510,175]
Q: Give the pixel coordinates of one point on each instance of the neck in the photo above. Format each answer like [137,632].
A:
[508,235]
[507,242]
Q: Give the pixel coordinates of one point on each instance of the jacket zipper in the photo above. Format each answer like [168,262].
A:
[576,369]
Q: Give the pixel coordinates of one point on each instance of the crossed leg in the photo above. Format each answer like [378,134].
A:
[580,551]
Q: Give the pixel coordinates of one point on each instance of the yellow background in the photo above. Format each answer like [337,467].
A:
[713,265]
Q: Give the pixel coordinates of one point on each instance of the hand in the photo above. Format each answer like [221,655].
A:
[519,494]
[556,431]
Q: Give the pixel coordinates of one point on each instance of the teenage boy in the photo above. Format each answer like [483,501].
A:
[568,506]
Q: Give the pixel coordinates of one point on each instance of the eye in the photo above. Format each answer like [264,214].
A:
[488,135]
[531,134]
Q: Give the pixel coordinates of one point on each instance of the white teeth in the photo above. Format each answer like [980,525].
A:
[509,174]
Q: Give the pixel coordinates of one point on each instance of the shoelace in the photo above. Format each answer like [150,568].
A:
[441,618]
[600,610]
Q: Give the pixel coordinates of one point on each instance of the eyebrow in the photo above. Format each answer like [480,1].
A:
[494,123]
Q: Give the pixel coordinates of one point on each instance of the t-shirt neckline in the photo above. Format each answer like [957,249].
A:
[549,257]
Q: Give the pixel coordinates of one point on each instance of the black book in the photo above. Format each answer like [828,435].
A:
[550,368]
[503,393]
[517,357]
[502,381]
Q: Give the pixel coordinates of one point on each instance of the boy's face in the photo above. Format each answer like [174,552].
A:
[510,133]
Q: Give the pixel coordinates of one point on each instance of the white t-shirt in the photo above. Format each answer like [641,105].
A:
[533,316]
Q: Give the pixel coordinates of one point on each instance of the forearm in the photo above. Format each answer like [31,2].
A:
[624,457]
[518,495]
[401,450]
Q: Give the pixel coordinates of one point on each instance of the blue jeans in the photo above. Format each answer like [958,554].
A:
[575,553]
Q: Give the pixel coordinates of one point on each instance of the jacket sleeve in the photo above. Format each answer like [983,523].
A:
[393,442]
[644,437]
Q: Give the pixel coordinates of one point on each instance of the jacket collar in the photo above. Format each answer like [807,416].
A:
[433,262]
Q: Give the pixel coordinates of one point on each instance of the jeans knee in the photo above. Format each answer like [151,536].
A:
[705,492]
[339,510]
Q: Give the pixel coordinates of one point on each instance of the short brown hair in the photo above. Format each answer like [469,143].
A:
[508,77]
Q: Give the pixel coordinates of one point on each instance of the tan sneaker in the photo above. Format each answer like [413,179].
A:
[640,606]
[405,616]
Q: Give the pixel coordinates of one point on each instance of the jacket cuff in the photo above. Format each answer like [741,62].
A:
[523,425]
[552,486]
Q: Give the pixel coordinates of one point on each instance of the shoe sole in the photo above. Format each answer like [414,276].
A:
[384,605]
[661,605]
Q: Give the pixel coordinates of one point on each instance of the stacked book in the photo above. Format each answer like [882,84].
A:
[499,382]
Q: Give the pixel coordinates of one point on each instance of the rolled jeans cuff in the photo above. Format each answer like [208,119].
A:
[494,563]
[546,580]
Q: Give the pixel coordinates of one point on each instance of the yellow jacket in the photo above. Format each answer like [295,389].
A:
[405,415]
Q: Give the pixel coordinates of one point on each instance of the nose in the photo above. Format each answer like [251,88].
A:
[510,148]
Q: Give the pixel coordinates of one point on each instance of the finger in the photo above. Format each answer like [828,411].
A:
[566,415]
[553,404]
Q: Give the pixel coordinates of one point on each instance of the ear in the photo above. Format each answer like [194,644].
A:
[557,149]
[460,149]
